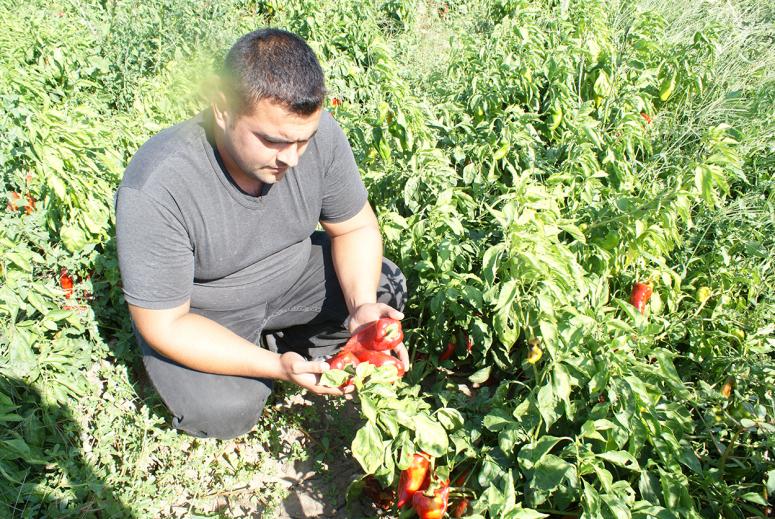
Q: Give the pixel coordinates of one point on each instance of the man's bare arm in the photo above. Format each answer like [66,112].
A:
[356,250]
[202,344]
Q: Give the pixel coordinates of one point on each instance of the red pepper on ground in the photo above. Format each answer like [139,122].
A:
[641,293]
[432,506]
[414,478]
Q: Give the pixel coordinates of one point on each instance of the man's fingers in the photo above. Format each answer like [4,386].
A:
[323,390]
[391,312]
[403,355]
[311,366]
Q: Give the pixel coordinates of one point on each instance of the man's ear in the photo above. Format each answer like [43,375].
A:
[222,111]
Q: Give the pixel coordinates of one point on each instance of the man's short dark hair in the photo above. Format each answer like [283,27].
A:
[276,65]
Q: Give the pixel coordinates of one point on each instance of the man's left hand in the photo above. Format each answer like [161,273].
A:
[369,312]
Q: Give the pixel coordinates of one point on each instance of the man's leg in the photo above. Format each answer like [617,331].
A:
[204,404]
[310,318]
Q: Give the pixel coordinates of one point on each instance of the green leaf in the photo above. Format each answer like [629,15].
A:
[547,402]
[332,377]
[367,448]
[481,376]
[73,238]
[20,261]
[450,418]
[753,497]
[57,186]
[430,436]
[368,408]
[602,85]
[771,482]
[550,471]
[621,458]
[526,513]
[531,454]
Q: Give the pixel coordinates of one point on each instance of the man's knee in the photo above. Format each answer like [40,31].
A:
[225,419]
[392,286]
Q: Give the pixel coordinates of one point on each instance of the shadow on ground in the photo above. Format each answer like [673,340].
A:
[42,458]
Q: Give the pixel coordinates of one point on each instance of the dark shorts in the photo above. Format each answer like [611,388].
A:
[308,319]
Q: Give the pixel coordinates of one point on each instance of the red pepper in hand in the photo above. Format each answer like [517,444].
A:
[641,293]
[377,358]
[341,360]
[414,478]
[432,506]
[380,335]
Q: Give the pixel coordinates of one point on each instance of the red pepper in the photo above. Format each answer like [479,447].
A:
[447,353]
[381,335]
[377,358]
[432,506]
[335,101]
[460,508]
[14,201]
[341,360]
[646,117]
[30,205]
[66,282]
[641,293]
[414,478]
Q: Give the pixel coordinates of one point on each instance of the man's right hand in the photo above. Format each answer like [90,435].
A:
[306,373]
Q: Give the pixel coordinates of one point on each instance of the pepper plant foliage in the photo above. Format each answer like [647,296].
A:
[529,162]
[563,153]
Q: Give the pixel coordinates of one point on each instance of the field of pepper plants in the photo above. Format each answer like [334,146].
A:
[580,194]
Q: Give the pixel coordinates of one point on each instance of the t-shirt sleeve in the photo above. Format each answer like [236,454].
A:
[155,255]
[343,191]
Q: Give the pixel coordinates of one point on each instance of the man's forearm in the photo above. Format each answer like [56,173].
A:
[357,258]
[204,345]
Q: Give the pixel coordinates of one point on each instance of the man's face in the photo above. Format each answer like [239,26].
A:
[264,143]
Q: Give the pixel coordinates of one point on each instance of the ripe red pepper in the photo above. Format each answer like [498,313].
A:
[14,201]
[460,508]
[432,506]
[380,335]
[341,360]
[335,101]
[447,353]
[414,478]
[646,117]
[66,282]
[377,358]
[641,293]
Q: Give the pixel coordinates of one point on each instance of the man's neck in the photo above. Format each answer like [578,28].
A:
[246,184]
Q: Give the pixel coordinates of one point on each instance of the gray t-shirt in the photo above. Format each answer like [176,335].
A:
[184,230]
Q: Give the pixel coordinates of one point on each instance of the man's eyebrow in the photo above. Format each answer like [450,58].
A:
[282,141]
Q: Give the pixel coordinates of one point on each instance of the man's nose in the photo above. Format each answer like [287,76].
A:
[289,155]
